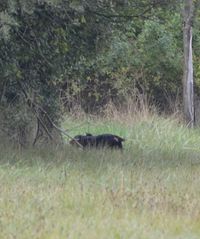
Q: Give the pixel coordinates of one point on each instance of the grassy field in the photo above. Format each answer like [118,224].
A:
[151,190]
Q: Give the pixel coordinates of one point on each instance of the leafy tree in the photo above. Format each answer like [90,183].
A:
[39,40]
[86,52]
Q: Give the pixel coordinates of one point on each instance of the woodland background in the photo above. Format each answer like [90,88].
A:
[61,55]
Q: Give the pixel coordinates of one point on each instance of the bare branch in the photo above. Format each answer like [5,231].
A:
[36,108]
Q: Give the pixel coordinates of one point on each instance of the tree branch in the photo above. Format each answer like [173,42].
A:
[119,15]
[34,107]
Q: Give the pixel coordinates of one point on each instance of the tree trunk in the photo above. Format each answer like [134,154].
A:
[188,88]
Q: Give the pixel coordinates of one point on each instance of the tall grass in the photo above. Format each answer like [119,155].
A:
[150,190]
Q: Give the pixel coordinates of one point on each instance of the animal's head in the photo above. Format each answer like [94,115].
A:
[76,139]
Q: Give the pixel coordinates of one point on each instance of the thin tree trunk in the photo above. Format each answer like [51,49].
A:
[188,88]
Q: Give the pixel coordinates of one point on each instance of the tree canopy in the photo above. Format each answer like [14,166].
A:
[57,53]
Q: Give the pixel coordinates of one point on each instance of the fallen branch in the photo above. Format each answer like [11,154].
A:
[58,128]
[35,108]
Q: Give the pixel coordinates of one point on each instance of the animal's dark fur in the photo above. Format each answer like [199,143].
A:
[98,141]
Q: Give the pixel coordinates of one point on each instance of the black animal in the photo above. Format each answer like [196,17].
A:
[98,141]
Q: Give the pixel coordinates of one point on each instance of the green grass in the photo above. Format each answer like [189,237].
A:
[150,190]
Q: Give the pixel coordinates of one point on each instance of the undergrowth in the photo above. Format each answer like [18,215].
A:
[150,190]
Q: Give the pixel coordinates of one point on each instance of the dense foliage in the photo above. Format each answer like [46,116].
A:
[57,53]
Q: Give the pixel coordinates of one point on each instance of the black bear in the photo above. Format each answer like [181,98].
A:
[98,141]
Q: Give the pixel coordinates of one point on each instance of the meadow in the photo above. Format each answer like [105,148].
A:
[148,191]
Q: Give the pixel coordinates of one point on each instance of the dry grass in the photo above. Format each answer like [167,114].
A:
[151,190]
[70,194]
